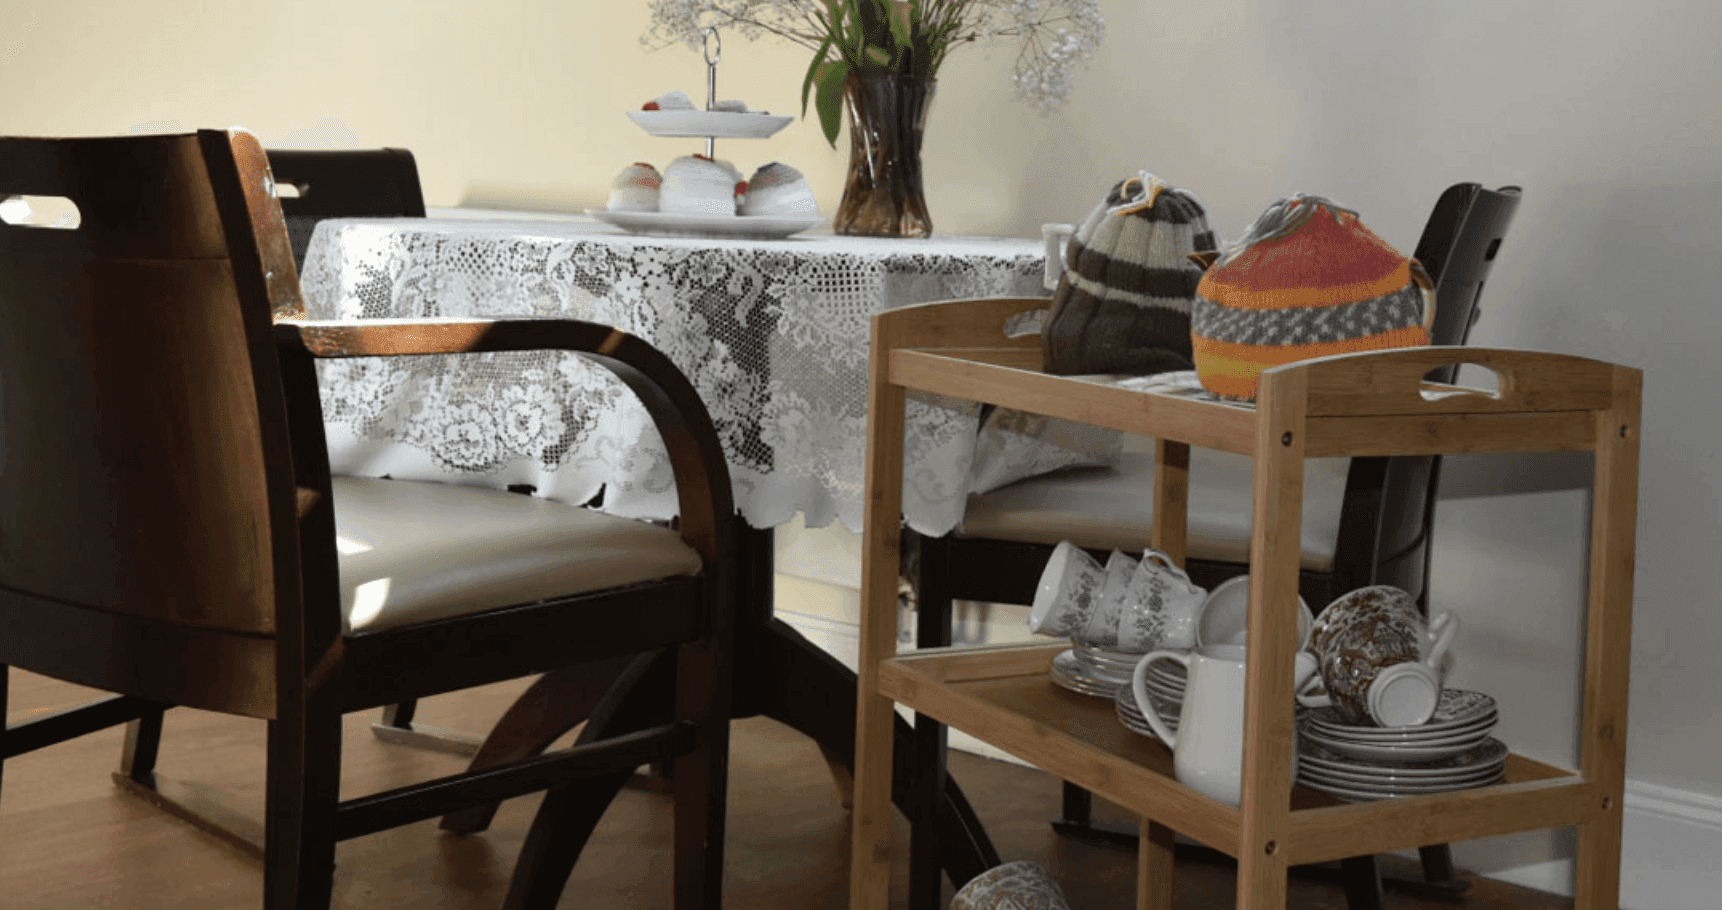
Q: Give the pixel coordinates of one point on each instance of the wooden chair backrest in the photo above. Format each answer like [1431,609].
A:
[1458,246]
[362,183]
[143,478]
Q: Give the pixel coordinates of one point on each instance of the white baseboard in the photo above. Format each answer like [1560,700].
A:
[1671,855]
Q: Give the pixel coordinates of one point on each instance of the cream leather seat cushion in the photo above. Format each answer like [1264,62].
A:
[413,551]
[1113,507]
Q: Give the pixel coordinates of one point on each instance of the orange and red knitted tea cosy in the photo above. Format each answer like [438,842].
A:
[1307,280]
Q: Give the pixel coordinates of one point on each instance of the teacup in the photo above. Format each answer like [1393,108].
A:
[1225,616]
[1102,628]
[1068,594]
[1380,662]
[1160,607]
[1208,749]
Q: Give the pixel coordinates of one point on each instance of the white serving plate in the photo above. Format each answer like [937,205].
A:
[716,124]
[675,224]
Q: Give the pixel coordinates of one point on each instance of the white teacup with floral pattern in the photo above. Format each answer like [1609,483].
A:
[1068,594]
[1160,608]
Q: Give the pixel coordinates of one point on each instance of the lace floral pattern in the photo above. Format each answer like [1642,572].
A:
[773,334]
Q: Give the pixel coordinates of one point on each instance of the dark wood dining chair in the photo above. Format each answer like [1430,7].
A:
[168,525]
[1366,521]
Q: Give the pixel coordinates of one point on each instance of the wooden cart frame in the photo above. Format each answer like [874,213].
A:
[1351,405]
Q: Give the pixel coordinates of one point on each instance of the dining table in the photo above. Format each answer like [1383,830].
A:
[772,330]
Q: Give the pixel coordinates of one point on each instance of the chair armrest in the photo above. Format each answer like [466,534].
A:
[704,496]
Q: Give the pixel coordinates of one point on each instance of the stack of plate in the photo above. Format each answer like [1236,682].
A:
[1164,681]
[1095,671]
[1072,674]
[1358,780]
[1452,751]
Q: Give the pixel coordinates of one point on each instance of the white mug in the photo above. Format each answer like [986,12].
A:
[1208,749]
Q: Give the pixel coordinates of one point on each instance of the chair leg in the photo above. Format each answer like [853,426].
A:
[142,746]
[5,694]
[303,787]
[701,782]
[1362,882]
[928,769]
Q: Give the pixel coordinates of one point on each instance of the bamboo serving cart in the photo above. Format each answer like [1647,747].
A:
[1370,404]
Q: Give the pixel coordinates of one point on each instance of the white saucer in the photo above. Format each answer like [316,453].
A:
[676,224]
[1367,794]
[1068,672]
[717,124]
[1457,709]
[1398,752]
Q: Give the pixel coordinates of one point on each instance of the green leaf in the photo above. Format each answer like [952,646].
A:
[899,18]
[829,99]
[812,69]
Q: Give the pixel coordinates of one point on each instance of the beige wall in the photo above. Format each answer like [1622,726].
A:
[1606,113]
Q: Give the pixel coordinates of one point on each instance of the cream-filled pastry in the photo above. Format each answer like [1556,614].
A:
[670,101]
[778,189]
[635,189]
[697,185]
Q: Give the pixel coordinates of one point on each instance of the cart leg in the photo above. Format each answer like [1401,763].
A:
[1262,879]
[1597,884]
[1154,867]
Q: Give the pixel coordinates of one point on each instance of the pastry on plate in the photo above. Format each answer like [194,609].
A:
[778,189]
[697,185]
[635,189]
[670,101]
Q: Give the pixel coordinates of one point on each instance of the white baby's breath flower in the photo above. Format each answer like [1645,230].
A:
[1054,36]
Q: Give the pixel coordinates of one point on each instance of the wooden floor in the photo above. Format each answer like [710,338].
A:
[70,839]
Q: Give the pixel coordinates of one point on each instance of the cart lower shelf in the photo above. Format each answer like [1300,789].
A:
[1004,696]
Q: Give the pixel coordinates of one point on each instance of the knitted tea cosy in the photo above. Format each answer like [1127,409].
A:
[1123,303]
[1307,280]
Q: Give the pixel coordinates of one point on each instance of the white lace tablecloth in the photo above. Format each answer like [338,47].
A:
[773,333]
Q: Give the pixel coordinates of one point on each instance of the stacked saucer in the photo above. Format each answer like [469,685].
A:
[1357,780]
[1093,670]
[1130,713]
[1452,751]
[1073,674]
[1164,680]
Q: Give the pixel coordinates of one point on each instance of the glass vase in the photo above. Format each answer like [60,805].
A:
[882,195]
